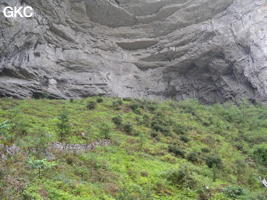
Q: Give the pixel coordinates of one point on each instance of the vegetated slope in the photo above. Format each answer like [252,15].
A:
[166,151]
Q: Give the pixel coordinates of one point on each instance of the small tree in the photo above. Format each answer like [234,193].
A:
[40,165]
[142,140]
[215,163]
[63,125]
[41,142]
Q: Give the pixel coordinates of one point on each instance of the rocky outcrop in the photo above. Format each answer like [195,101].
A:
[56,147]
[213,50]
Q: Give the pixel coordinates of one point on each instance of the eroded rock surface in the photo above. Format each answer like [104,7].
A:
[213,50]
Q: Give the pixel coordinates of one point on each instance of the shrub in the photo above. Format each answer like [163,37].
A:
[182,178]
[193,157]
[239,146]
[99,100]
[260,154]
[161,127]
[6,137]
[166,131]
[205,150]
[91,105]
[233,192]
[128,128]
[151,107]
[137,111]
[176,151]
[180,129]
[136,107]
[156,126]
[117,120]
[184,138]
[116,104]
[154,134]
[127,99]
[105,131]
[213,161]
[204,193]
[146,120]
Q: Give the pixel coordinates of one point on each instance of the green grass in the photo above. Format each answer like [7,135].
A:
[160,151]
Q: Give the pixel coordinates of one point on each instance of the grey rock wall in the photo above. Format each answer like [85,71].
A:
[213,50]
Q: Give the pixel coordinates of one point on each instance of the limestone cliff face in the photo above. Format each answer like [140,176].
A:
[213,50]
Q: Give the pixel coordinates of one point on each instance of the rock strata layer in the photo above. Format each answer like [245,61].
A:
[212,50]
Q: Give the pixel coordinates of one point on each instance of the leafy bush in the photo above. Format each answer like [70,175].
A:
[99,100]
[154,134]
[176,151]
[180,129]
[182,178]
[4,125]
[184,138]
[91,105]
[128,128]
[146,120]
[205,150]
[193,157]
[134,106]
[127,99]
[151,107]
[161,127]
[116,104]
[213,161]
[204,194]
[233,192]
[117,120]
[260,154]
